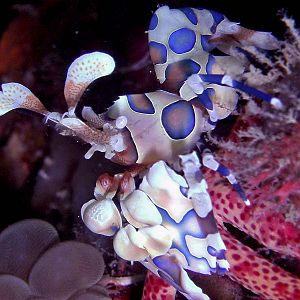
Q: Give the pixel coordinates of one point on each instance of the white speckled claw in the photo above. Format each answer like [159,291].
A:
[101,217]
[84,70]
[15,95]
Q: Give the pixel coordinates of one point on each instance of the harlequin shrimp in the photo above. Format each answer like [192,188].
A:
[169,223]
[181,42]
